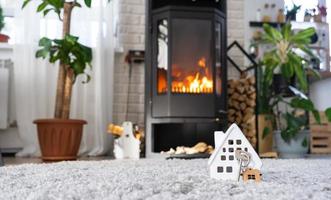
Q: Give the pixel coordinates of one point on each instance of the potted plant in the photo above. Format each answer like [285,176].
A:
[322,13]
[60,137]
[291,15]
[308,16]
[288,58]
[3,38]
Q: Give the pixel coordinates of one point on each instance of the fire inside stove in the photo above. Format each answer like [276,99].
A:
[198,80]
[190,57]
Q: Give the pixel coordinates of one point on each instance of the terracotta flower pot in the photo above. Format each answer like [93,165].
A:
[4,38]
[59,139]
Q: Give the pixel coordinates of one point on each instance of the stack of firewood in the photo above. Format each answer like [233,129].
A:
[242,102]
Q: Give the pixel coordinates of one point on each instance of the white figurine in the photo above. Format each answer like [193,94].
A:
[223,163]
[127,146]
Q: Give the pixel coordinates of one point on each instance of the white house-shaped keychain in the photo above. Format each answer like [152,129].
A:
[223,163]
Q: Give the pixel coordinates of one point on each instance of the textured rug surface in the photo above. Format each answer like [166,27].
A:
[160,179]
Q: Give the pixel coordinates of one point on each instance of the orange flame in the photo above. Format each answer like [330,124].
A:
[200,82]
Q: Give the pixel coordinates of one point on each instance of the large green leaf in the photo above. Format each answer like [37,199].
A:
[315,73]
[286,31]
[46,45]
[328,114]
[294,125]
[302,78]
[272,32]
[317,116]
[71,39]
[304,104]
[25,3]
[307,105]
[287,70]
[88,3]
[45,42]
[42,53]
[300,73]
[303,36]
[68,51]
[306,50]
[46,11]
[42,6]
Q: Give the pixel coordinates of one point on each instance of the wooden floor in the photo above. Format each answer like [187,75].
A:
[18,161]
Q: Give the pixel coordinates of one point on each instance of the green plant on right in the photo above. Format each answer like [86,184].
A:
[2,19]
[289,56]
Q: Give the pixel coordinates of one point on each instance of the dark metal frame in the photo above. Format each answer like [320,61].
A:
[219,112]
[254,64]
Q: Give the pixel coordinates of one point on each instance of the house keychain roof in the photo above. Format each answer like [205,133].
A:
[223,163]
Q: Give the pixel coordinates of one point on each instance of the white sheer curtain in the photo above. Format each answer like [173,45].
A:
[35,79]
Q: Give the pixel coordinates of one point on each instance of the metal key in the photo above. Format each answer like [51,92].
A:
[244,159]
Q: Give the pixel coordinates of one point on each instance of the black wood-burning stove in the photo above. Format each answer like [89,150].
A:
[185,72]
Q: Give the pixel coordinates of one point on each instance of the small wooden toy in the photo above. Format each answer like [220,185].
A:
[251,174]
[233,153]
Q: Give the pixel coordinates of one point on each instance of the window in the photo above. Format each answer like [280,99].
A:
[219,169]
[231,157]
[223,157]
[229,169]
[238,142]
[251,177]
[231,150]
[224,150]
[246,149]
[239,148]
[230,142]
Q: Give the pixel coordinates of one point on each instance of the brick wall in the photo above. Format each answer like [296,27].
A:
[236,31]
[131,36]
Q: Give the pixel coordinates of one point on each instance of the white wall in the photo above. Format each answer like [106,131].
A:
[131,32]
[251,7]
[320,93]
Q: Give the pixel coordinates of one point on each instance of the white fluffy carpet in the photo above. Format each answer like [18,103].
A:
[160,179]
